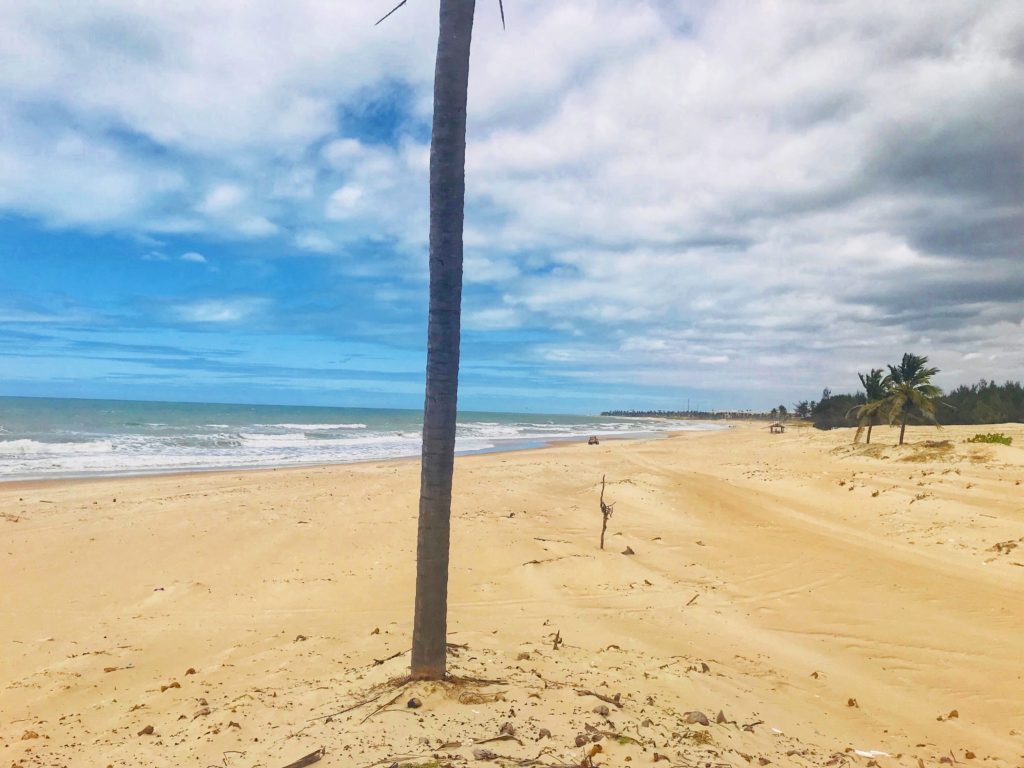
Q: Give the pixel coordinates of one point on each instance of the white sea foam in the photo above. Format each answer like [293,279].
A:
[263,440]
[152,446]
[312,427]
[37,448]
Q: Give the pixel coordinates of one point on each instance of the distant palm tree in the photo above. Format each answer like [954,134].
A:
[869,413]
[910,391]
[447,211]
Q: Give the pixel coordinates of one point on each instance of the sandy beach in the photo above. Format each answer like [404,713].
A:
[818,603]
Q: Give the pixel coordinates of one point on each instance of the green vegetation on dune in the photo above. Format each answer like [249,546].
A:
[991,437]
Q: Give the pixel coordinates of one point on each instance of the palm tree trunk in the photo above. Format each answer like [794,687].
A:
[903,428]
[868,441]
[447,209]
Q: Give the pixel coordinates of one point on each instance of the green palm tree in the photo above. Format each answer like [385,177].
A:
[910,391]
[869,413]
[447,211]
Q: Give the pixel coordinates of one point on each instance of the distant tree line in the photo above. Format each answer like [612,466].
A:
[775,414]
[702,415]
[983,403]
[905,395]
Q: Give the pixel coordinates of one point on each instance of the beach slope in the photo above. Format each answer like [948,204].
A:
[818,603]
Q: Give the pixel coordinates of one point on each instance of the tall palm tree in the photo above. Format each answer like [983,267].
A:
[910,391]
[869,413]
[447,211]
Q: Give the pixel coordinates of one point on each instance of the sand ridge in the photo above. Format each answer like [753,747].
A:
[835,603]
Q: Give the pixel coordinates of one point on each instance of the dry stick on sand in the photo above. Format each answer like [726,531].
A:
[312,757]
[357,705]
[616,700]
[382,707]
[606,512]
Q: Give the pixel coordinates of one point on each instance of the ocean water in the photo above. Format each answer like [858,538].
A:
[49,437]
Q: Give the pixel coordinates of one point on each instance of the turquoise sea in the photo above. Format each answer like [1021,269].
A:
[50,437]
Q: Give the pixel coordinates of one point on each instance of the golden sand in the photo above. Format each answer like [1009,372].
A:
[832,602]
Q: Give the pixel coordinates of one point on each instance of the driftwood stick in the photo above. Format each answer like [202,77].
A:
[615,700]
[224,757]
[382,707]
[476,680]
[606,512]
[503,737]
[394,759]
[357,705]
[312,757]
[378,662]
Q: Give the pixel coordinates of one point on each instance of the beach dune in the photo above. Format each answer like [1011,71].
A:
[819,603]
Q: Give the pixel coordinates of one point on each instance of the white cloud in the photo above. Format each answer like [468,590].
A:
[341,153]
[222,199]
[193,257]
[202,92]
[256,226]
[71,179]
[314,241]
[298,183]
[214,77]
[233,310]
[343,202]
[642,344]
[479,268]
[493,319]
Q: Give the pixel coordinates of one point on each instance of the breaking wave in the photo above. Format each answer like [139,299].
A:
[185,441]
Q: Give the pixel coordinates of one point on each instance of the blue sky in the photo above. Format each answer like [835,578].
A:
[732,203]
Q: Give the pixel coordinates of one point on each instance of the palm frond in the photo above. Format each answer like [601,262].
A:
[919,399]
[895,405]
[873,383]
[909,389]
[391,11]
